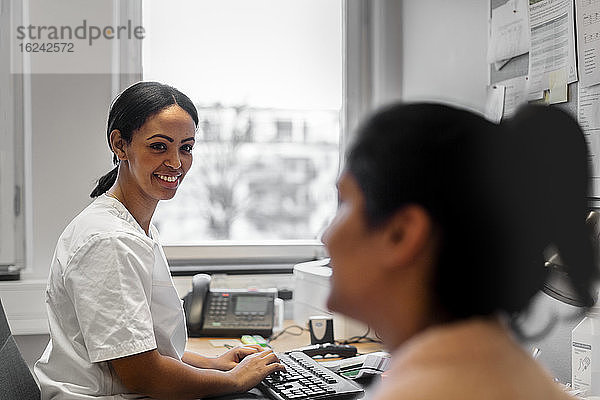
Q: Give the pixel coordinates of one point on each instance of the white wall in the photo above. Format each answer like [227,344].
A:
[69,152]
[444,51]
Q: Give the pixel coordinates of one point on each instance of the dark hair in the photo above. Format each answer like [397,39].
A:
[130,110]
[499,195]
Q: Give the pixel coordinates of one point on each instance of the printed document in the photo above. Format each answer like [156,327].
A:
[588,116]
[552,43]
[515,94]
[509,31]
[588,41]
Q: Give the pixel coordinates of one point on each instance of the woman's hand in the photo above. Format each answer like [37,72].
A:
[254,368]
[232,357]
[164,377]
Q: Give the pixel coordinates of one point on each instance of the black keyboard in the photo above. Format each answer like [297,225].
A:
[307,379]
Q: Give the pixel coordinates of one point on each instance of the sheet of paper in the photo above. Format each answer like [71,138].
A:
[552,43]
[515,94]
[509,31]
[558,91]
[227,343]
[534,96]
[495,103]
[588,116]
[587,13]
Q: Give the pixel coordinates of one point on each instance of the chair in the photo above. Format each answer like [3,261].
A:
[16,380]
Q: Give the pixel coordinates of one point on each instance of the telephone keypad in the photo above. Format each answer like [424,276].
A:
[217,308]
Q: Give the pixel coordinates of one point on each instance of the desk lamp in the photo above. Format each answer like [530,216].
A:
[557,284]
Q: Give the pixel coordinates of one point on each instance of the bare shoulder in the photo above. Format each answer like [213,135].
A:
[462,385]
[470,360]
[466,382]
[417,384]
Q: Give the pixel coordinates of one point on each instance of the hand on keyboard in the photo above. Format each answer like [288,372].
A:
[304,378]
[234,356]
[254,368]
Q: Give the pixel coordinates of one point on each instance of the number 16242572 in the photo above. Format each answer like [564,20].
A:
[35,47]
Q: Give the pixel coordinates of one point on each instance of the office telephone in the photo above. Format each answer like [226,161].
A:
[228,312]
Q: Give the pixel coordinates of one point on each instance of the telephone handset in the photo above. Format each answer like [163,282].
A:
[193,302]
[228,312]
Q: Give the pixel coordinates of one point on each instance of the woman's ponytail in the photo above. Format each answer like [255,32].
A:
[105,182]
[547,183]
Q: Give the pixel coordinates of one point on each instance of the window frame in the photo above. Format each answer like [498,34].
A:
[7,177]
[7,153]
[14,154]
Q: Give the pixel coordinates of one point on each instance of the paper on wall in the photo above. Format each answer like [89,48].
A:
[552,43]
[557,93]
[509,31]
[588,116]
[494,106]
[587,13]
[515,94]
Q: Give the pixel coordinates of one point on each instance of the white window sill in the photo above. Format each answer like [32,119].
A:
[290,251]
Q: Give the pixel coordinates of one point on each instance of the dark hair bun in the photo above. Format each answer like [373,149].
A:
[546,168]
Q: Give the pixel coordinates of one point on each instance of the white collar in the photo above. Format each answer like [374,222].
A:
[123,213]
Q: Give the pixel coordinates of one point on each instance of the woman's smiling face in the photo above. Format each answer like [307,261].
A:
[160,153]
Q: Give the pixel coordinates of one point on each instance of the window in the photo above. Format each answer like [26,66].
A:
[284,130]
[266,77]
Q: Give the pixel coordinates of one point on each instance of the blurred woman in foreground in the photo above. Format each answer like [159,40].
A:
[439,238]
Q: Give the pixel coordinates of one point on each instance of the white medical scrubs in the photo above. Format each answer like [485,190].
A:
[109,295]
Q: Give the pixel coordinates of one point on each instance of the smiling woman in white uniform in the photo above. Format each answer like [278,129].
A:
[117,328]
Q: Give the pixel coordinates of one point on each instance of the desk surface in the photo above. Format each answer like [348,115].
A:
[287,341]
